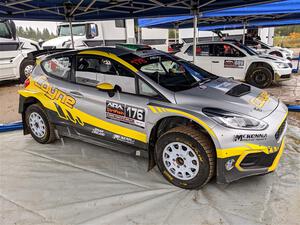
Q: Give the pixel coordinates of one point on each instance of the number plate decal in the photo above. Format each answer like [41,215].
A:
[125,113]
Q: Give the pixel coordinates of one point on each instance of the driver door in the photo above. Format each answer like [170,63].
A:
[118,115]
[227,61]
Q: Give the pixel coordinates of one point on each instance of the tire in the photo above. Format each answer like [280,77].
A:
[260,77]
[26,68]
[194,165]
[38,124]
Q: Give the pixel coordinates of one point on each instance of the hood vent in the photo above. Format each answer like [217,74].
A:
[239,90]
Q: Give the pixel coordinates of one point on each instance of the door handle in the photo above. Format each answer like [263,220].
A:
[76,94]
[215,61]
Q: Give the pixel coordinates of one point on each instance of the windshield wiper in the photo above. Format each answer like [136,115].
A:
[201,82]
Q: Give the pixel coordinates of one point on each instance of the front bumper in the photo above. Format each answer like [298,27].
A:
[248,158]
[283,74]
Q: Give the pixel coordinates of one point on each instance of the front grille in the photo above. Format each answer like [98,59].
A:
[285,76]
[280,130]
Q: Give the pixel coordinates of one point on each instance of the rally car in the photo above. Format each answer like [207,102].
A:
[194,125]
[264,48]
[232,59]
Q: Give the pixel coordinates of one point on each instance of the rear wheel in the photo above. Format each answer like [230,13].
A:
[38,124]
[185,157]
[26,68]
[260,77]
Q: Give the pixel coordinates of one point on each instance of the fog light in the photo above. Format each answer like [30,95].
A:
[229,164]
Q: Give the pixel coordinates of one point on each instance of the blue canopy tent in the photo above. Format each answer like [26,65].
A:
[88,10]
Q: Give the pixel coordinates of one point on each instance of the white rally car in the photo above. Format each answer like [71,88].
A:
[263,48]
[232,59]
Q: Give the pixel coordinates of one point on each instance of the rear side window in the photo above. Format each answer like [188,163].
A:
[201,50]
[59,67]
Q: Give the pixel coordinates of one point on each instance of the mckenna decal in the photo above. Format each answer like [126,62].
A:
[234,64]
[250,137]
[54,93]
[98,132]
[123,139]
[125,113]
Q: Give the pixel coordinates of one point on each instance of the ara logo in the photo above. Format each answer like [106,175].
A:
[250,137]
[115,105]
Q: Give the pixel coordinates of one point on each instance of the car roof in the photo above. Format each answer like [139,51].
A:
[112,50]
[215,42]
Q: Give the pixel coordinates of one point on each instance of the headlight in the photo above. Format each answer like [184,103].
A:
[234,120]
[282,65]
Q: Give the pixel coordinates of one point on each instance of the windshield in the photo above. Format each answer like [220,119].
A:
[78,30]
[4,32]
[172,73]
[247,49]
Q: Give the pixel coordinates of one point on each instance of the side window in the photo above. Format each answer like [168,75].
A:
[146,90]
[59,67]
[120,23]
[201,50]
[92,70]
[226,50]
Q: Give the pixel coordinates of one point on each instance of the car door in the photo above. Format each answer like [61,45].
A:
[118,115]
[9,52]
[202,59]
[228,61]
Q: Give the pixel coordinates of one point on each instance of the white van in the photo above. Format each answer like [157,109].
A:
[14,61]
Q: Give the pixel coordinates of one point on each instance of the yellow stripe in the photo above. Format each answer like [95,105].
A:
[33,91]
[152,109]
[194,118]
[109,55]
[159,109]
[276,160]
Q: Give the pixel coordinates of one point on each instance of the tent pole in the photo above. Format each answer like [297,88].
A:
[139,35]
[71,32]
[244,29]
[194,38]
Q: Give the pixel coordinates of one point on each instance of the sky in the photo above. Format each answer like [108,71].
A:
[37,24]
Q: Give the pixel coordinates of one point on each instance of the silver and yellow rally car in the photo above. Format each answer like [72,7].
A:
[191,123]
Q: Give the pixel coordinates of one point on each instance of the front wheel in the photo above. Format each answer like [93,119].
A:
[260,77]
[185,157]
[38,124]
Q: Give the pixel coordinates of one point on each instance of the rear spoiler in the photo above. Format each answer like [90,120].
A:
[33,55]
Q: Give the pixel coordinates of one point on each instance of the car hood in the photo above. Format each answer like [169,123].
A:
[58,41]
[229,95]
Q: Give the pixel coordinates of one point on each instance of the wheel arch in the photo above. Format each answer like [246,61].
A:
[167,123]
[24,103]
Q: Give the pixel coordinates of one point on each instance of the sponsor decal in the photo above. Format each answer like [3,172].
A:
[250,137]
[234,64]
[125,113]
[123,139]
[260,100]
[54,93]
[98,132]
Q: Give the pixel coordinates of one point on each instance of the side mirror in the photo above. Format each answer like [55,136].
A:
[107,87]
[91,31]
